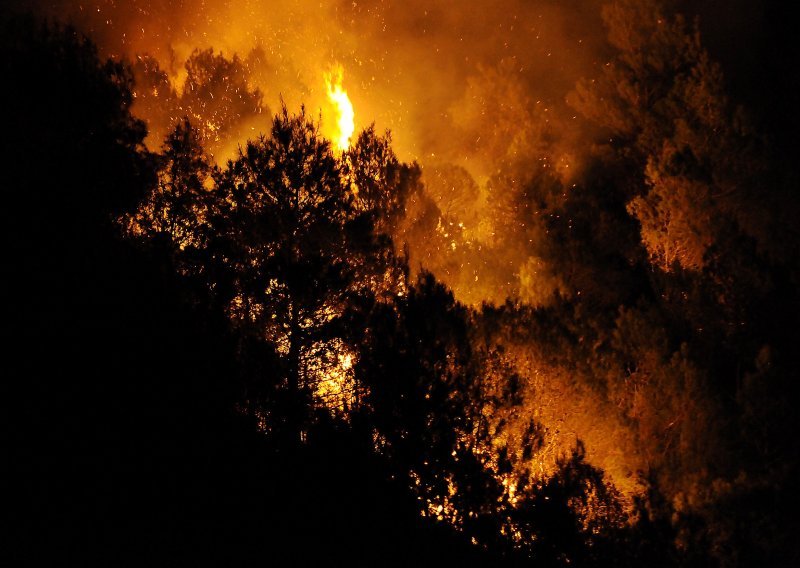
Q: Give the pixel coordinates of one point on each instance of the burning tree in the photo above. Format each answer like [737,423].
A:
[280,233]
[215,95]
[282,245]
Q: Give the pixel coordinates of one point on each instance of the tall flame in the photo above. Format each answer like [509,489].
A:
[344,108]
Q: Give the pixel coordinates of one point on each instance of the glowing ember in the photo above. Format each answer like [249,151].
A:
[329,366]
[343,107]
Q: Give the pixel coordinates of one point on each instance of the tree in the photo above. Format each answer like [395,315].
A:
[120,405]
[698,168]
[216,96]
[522,130]
[154,98]
[380,182]
[177,210]
[279,238]
[634,98]
[284,243]
[114,381]
[423,401]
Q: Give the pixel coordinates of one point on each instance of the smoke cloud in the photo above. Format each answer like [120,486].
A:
[475,92]
[408,65]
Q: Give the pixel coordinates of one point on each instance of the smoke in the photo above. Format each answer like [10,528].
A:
[408,65]
[475,90]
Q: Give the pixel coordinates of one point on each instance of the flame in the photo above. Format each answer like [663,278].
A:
[343,107]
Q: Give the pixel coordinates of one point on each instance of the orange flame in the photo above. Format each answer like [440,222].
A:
[343,107]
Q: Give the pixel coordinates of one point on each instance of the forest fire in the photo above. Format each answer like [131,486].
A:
[544,301]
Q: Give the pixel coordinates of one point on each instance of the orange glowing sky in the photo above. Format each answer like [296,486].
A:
[408,64]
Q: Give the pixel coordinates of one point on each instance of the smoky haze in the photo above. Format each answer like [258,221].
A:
[475,92]
[408,65]
[420,68]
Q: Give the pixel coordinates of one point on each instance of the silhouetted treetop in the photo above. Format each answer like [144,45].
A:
[79,109]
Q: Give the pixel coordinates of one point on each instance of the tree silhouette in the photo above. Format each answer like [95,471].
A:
[380,182]
[123,384]
[283,246]
[423,396]
[216,97]
[154,98]
[280,231]
[177,209]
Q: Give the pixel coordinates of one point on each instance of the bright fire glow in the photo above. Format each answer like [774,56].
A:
[329,368]
[344,108]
